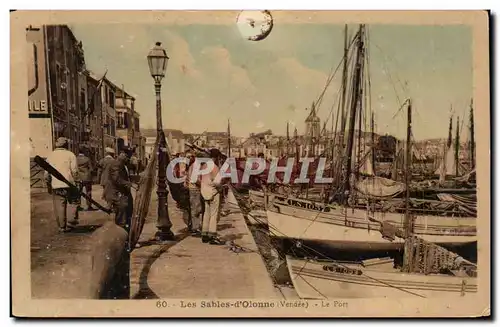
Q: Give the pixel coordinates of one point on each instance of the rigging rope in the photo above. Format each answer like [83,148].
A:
[299,244]
[330,79]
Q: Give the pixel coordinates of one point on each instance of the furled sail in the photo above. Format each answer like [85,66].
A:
[447,167]
[362,159]
[379,187]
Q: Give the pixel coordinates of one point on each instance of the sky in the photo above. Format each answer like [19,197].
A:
[214,74]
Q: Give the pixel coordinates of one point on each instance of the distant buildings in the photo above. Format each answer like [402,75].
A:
[128,131]
[175,140]
[149,136]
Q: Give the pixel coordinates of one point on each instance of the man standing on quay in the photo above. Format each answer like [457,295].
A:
[85,174]
[210,189]
[118,189]
[196,204]
[65,162]
[103,169]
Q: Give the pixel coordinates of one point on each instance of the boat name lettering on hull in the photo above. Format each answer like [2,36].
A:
[465,231]
[307,205]
[342,270]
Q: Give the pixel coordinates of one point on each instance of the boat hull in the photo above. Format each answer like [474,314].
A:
[322,280]
[346,228]
[257,198]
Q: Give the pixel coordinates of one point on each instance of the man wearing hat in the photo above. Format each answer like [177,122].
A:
[103,168]
[85,168]
[65,162]
[195,205]
[118,189]
[210,189]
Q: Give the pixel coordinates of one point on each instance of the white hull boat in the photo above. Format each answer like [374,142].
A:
[351,229]
[257,198]
[325,280]
[257,217]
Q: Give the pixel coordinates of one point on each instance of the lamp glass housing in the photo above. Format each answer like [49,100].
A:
[157,60]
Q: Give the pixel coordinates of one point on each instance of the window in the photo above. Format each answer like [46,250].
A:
[90,101]
[112,127]
[83,99]
[126,120]
[121,120]
[59,79]
[105,124]
[111,98]
[106,95]
[54,84]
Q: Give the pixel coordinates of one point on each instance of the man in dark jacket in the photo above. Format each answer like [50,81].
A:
[117,190]
[85,169]
[103,168]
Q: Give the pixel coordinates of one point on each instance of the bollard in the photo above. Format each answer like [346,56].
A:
[109,278]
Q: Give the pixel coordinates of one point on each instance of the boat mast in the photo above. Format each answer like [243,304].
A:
[297,147]
[457,147]
[372,127]
[408,228]
[472,142]
[354,104]
[228,139]
[287,138]
[344,88]
[450,134]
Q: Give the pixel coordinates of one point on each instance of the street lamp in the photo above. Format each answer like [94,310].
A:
[157,60]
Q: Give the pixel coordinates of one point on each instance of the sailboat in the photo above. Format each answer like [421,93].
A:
[421,274]
[351,224]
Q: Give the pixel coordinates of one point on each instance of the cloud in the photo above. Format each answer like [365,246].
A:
[203,88]
[181,60]
[219,66]
[300,75]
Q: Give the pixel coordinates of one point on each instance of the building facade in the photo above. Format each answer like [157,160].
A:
[108,114]
[55,63]
[67,100]
[175,140]
[126,129]
[39,99]
[65,64]
[92,137]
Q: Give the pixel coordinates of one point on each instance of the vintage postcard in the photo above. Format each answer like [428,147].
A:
[245,163]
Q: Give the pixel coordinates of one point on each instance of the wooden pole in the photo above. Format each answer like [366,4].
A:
[228,139]
[344,88]
[472,141]
[450,133]
[457,147]
[408,255]
[373,141]
[287,139]
[354,104]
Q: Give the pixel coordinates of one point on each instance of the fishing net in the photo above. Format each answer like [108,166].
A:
[143,198]
[430,258]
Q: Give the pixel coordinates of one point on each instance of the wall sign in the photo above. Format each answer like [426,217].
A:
[38,106]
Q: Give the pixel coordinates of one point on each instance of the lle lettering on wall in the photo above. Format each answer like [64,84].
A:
[37,75]
[38,105]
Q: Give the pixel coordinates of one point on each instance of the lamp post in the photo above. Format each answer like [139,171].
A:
[157,60]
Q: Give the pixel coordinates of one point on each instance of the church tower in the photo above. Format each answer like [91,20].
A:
[313,127]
